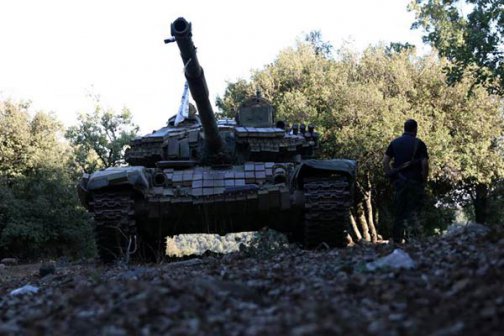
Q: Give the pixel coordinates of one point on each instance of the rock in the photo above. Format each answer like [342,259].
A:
[488,312]
[223,287]
[9,261]
[397,259]
[308,329]
[454,329]
[132,274]
[10,328]
[186,263]
[46,269]
[24,290]
[477,229]
[457,229]
[458,286]
[396,317]
[378,327]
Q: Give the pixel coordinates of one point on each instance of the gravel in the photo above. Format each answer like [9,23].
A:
[264,286]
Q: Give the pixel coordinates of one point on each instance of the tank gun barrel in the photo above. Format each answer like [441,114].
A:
[182,34]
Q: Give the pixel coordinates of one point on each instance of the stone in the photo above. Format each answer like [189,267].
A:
[9,261]
[46,269]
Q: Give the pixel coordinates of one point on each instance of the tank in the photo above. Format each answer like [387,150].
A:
[198,174]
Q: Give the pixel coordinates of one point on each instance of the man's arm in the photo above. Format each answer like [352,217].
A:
[386,164]
[424,162]
[425,168]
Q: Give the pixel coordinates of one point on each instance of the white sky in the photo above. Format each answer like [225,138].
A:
[55,52]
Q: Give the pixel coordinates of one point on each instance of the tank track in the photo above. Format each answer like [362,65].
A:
[327,202]
[113,214]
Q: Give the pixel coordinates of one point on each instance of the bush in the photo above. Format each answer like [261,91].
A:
[40,217]
[495,206]
[39,211]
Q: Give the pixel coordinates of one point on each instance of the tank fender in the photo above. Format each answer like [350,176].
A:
[134,176]
[317,167]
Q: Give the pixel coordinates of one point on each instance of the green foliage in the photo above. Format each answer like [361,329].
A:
[265,245]
[40,217]
[235,93]
[496,204]
[14,138]
[27,143]
[321,48]
[299,83]
[472,42]
[358,103]
[39,212]
[101,137]
[397,47]
[438,212]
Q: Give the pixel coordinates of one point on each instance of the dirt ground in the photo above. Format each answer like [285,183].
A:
[455,286]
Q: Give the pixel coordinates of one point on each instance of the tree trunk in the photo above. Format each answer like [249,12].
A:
[376,213]
[361,217]
[370,221]
[368,207]
[355,230]
[480,202]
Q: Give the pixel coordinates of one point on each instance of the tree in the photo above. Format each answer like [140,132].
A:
[234,94]
[321,48]
[100,139]
[358,103]
[39,212]
[14,138]
[40,216]
[465,133]
[397,47]
[473,43]
[28,143]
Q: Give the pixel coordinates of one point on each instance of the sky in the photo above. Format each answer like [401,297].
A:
[58,54]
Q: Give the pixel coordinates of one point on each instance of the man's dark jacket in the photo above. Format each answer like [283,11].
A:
[401,150]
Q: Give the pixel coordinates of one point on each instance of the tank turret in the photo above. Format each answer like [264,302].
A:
[182,34]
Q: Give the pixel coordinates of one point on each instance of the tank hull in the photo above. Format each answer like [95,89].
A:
[152,203]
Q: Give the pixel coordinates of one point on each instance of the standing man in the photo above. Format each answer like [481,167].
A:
[408,172]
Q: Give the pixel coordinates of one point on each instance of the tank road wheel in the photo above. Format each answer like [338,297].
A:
[113,215]
[327,201]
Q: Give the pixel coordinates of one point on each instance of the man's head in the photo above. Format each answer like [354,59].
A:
[410,126]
